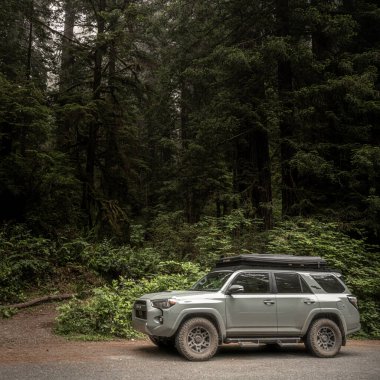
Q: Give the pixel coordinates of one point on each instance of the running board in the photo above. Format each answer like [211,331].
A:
[278,340]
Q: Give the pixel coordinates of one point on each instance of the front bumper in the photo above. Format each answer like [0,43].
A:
[158,322]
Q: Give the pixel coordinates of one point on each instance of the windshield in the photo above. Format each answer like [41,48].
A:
[213,281]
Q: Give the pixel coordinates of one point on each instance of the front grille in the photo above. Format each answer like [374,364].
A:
[140,309]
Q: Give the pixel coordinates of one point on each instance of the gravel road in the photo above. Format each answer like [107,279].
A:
[141,360]
[28,350]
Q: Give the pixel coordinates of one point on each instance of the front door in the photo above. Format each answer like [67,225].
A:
[253,312]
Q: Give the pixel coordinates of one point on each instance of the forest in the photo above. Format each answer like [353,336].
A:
[140,140]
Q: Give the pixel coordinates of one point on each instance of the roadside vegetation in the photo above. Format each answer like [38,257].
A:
[106,277]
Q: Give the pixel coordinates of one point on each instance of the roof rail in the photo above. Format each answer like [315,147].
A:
[273,261]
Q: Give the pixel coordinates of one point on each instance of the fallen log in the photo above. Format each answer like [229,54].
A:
[36,301]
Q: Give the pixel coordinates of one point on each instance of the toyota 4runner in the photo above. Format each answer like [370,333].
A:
[272,299]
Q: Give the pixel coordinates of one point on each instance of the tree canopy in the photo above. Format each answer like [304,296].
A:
[195,127]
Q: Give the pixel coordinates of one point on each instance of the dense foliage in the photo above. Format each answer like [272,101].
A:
[109,311]
[135,132]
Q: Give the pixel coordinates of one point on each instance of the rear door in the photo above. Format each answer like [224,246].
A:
[295,301]
[253,312]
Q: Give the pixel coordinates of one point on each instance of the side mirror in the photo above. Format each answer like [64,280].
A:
[233,289]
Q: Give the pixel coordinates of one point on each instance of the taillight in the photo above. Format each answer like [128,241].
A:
[353,300]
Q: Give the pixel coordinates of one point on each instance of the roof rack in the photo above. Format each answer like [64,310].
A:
[272,261]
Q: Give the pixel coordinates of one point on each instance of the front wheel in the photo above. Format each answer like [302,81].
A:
[197,339]
[324,338]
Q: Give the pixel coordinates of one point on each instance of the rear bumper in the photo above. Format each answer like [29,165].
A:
[353,329]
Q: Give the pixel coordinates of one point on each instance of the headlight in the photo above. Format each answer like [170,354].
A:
[164,304]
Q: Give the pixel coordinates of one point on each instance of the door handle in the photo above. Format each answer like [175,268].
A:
[308,301]
[268,302]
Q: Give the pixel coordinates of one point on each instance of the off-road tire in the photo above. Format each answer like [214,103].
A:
[324,338]
[197,339]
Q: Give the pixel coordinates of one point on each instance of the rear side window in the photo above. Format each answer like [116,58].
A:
[253,283]
[329,283]
[290,283]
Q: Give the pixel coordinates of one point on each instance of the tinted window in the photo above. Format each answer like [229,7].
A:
[212,282]
[253,283]
[329,283]
[288,283]
[305,286]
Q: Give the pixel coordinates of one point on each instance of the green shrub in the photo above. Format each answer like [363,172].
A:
[109,311]
[113,261]
[205,241]
[24,260]
[222,236]
[29,264]
[173,237]
[71,251]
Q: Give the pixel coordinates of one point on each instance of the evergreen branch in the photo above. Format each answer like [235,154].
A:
[236,136]
[38,21]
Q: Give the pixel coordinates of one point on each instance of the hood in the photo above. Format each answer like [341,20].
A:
[178,294]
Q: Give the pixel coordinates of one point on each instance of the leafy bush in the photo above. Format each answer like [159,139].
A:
[172,236]
[205,241]
[109,311]
[29,263]
[24,259]
[113,261]
[359,264]
[231,234]
[71,250]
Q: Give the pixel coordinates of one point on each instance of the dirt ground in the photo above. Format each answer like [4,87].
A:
[27,337]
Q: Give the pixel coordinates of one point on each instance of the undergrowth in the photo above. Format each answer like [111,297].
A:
[109,311]
[174,257]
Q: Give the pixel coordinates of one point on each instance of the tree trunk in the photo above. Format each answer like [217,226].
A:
[89,184]
[30,43]
[67,53]
[37,301]
[115,161]
[252,172]
[285,87]
[66,73]
[28,74]
[262,185]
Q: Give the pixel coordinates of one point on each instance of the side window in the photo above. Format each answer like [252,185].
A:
[291,283]
[305,286]
[253,283]
[288,283]
[329,283]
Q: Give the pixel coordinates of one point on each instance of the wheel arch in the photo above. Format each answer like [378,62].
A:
[333,317]
[207,315]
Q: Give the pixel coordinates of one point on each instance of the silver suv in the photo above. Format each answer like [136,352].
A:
[271,299]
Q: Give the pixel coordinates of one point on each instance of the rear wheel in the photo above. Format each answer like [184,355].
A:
[324,338]
[197,339]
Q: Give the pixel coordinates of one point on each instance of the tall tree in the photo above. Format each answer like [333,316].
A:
[67,55]
[287,122]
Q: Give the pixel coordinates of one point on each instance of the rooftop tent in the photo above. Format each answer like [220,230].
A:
[272,261]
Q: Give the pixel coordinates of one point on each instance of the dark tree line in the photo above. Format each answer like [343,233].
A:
[116,111]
